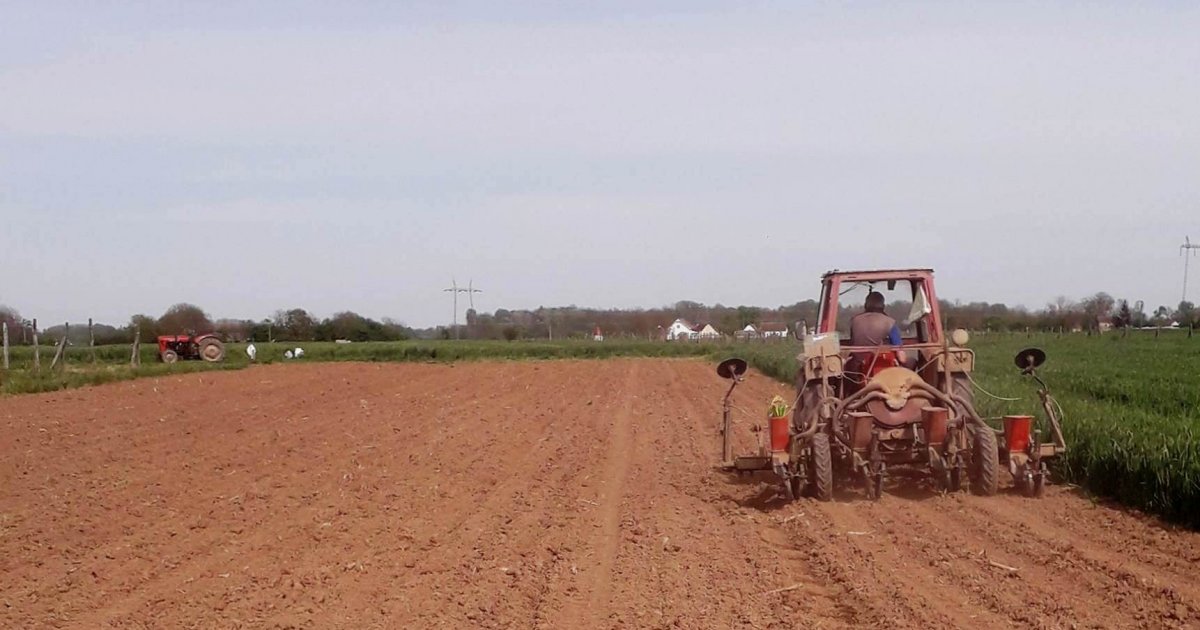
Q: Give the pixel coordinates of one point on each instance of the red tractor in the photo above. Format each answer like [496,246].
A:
[172,348]
[908,408]
[902,407]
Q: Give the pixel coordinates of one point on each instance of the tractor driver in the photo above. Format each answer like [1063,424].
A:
[873,327]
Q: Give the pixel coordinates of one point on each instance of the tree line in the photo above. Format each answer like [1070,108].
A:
[294,324]
[297,324]
[1090,313]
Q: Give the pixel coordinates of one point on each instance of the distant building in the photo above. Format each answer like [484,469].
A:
[747,333]
[705,331]
[681,329]
[773,330]
[597,335]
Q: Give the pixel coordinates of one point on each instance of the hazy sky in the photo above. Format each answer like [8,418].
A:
[254,156]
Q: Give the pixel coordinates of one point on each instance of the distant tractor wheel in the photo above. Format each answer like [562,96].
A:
[985,461]
[169,356]
[820,468]
[212,350]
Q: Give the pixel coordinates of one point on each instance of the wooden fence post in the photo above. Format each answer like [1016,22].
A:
[4,325]
[37,349]
[60,358]
[91,340]
[136,358]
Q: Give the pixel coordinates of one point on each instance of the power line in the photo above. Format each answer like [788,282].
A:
[454,290]
[1184,250]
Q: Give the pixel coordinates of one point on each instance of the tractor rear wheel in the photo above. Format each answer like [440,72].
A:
[820,468]
[960,385]
[169,356]
[212,350]
[985,461]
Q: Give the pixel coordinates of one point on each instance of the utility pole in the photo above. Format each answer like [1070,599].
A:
[454,289]
[1184,250]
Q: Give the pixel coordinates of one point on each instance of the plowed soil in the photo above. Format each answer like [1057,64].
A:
[514,495]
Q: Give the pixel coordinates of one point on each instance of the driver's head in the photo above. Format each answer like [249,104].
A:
[875,302]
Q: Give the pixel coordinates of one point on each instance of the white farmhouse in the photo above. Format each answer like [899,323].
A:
[680,330]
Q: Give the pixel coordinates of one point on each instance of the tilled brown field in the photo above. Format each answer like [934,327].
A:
[513,495]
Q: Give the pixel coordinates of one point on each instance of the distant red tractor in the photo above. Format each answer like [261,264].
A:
[172,348]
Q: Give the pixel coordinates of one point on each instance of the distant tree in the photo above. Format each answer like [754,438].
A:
[355,327]
[348,325]
[294,325]
[1139,314]
[1124,316]
[16,325]
[1161,315]
[1185,314]
[233,329]
[261,331]
[1096,307]
[182,318]
[397,330]
[146,324]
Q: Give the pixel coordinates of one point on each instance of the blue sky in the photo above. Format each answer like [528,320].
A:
[249,157]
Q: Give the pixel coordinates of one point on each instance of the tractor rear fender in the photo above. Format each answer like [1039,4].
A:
[820,367]
[957,359]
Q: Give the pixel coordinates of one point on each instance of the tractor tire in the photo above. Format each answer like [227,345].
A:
[810,397]
[985,461]
[169,356]
[960,385]
[820,468]
[212,350]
